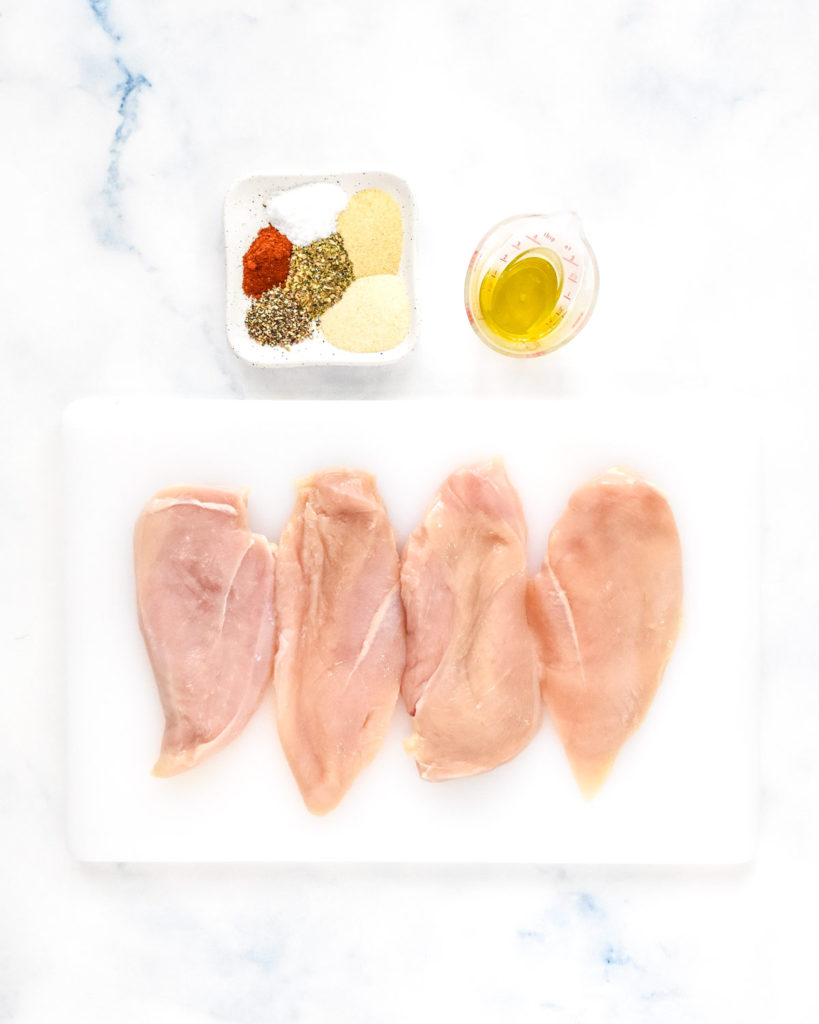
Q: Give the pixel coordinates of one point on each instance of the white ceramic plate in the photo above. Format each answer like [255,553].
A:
[245,215]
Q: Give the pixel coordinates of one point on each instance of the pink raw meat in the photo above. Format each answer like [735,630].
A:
[471,680]
[204,587]
[340,633]
[606,610]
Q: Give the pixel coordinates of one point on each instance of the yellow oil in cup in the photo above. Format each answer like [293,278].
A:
[531,284]
[518,303]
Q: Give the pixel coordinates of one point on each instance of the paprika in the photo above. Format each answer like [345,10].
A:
[266,262]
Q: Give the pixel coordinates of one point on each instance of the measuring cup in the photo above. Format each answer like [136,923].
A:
[557,238]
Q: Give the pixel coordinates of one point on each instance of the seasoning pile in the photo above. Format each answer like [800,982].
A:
[331,263]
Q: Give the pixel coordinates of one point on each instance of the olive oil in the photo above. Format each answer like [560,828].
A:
[519,303]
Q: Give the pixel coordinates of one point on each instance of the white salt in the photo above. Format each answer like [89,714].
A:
[308,212]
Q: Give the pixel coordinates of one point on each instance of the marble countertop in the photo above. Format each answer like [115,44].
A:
[686,137]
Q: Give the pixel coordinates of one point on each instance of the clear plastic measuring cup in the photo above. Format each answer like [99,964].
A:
[558,240]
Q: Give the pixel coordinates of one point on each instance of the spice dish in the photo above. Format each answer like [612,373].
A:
[247,212]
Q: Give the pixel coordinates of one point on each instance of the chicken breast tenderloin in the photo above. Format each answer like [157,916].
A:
[204,588]
[340,628]
[471,681]
[606,609]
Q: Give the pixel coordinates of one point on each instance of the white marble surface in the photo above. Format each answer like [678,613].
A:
[686,136]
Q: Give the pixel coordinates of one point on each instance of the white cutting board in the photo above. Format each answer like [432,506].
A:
[684,789]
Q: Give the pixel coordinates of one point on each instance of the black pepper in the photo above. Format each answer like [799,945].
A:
[277,318]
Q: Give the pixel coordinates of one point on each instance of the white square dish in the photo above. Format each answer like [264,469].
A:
[245,215]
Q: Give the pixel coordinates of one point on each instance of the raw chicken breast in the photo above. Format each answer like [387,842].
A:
[471,680]
[204,587]
[340,627]
[606,609]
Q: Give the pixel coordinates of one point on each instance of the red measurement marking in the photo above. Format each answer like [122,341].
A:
[504,259]
[577,321]
[567,295]
[472,261]
[573,278]
[548,237]
[469,316]
[532,238]
[572,260]
[516,245]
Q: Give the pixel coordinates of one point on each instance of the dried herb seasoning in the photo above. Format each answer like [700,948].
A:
[319,274]
[277,318]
